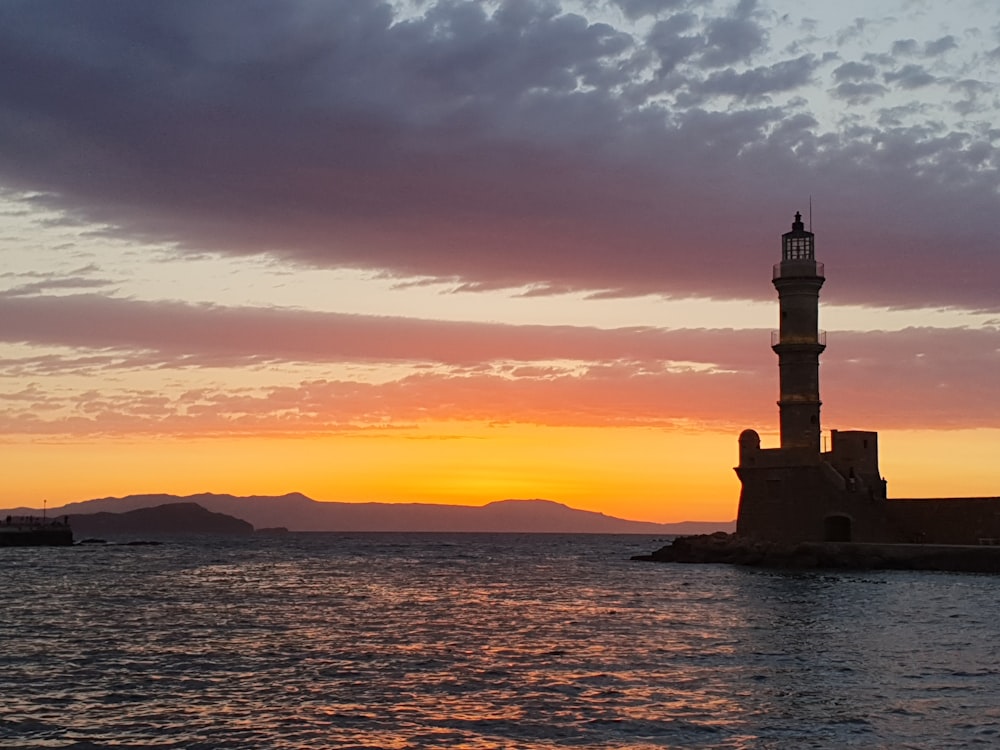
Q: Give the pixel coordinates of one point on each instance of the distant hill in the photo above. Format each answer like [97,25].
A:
[169,518]
[300,513]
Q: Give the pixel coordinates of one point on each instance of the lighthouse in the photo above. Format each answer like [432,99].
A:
[797,492]
[798,342]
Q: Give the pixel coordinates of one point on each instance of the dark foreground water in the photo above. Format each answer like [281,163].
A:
[483,641]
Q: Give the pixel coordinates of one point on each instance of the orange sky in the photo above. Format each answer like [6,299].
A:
[640,473]
[631,472]
[629,406]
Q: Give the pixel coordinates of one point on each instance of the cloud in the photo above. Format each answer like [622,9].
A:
[553,375]
[972,92]
[910,77]
[856,29]
[854,71]
[859,93]
[672,46]
[888,382]
[918,378]
[758,82]
[735,38]
[56,282]
[513,144]
[940,46]
[635,9]
[174,334]
[904,47]
[605,397]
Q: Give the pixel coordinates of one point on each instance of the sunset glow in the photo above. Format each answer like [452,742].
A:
[627,471]
[456,253]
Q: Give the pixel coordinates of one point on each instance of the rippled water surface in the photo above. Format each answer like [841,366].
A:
[483,641]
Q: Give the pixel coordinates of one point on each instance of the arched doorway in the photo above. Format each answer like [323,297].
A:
[837,529]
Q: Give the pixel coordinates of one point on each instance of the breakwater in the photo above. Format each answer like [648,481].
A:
[729,548]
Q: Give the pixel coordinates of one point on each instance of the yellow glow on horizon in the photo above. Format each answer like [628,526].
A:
[628,472]
[940,463]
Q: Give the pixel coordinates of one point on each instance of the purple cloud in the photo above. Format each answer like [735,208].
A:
[522,146]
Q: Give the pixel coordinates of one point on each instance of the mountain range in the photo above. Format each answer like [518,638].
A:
[297,512]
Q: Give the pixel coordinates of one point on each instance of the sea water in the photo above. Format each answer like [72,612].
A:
[483,641]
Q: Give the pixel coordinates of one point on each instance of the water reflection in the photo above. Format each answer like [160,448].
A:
[483,641]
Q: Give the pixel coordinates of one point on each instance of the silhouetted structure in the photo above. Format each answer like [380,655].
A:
[35,531]
[799,493]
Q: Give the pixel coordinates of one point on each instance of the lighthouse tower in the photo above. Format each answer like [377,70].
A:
[799,342]
[797,493]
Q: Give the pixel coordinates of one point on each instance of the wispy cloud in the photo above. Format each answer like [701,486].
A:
[552,375]
[180,334]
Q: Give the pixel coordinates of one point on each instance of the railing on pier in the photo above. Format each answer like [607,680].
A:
[33,521]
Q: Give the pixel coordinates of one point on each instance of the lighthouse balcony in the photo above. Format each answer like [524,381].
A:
[789,338]
[798,269]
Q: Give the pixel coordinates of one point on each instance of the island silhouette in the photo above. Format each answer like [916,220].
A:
[297,512]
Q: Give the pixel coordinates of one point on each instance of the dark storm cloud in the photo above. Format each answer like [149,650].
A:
[497,146]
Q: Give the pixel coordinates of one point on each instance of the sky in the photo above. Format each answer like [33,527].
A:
[443,251]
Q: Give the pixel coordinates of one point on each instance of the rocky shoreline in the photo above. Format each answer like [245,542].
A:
[728,548]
